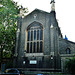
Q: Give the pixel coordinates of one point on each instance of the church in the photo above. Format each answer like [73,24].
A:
[40,44]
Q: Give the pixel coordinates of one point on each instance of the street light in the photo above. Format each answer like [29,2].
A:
[51,57]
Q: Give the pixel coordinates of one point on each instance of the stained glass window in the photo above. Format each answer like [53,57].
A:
[31,35]
[34,35]
[35,38]
[37,34]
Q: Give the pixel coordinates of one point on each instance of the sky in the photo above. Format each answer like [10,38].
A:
[65,13]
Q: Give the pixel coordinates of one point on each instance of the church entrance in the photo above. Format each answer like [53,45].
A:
[46,63]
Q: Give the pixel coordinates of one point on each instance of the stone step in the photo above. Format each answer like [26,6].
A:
[43,73]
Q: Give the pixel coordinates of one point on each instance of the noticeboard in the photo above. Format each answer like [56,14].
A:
[33,62]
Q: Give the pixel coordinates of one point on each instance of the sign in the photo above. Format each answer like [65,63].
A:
[33,62]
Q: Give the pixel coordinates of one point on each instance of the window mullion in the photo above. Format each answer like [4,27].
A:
[30,36]
[33,39]
[43,40]
[32,46]
[36,47]
[33,35]
[36,40]
[39,40]
[29,47]
[36,35]
[39,34]
[33,42]
[30,41]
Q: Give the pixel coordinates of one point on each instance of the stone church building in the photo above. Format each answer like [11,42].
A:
[39,42]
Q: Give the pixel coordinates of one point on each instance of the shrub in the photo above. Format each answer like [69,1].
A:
[70,66]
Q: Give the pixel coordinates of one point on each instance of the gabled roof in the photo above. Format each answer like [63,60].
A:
[67,41]
[41,11]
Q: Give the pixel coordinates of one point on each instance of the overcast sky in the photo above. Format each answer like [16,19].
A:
[65,13]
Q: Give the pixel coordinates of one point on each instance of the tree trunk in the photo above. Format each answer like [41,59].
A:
[1,57]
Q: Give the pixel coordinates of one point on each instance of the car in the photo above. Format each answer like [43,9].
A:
[13,71]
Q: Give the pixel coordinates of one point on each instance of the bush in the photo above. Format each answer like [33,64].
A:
[70,66]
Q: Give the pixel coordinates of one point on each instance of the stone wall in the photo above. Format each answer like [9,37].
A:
[64,44]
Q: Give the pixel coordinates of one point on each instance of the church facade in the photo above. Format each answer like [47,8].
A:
[39,42]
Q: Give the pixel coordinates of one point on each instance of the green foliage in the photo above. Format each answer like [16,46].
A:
[8,17]
[70,65]
[8,12]
[8,20]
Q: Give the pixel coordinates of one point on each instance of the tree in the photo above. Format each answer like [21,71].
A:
[70,65]
[9,13]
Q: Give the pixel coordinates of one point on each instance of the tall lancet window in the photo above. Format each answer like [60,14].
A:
[35,38]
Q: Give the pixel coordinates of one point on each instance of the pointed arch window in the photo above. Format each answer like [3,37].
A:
[35,38]
[68,51]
